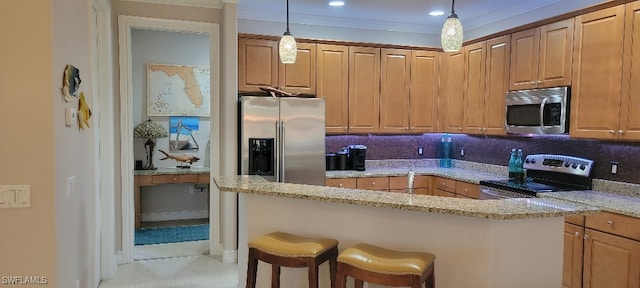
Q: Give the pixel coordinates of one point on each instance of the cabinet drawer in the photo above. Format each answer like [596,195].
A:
[422,191]
[373,183]
[165,179]
[398,182]
[445,184]
[576,220]
[615,224]
[468,189]
[443,193]
[341,182]
[422,181]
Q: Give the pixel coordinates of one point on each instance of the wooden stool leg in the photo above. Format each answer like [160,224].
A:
[431,281]
[416,282]
[312,268]
[341,278]
[333,266]
[252,269]
[275,276]
[358,283]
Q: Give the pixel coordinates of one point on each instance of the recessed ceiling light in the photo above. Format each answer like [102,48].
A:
[436,13]
[336,3]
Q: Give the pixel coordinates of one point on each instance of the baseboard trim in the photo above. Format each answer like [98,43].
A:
[230,256]
[175,215]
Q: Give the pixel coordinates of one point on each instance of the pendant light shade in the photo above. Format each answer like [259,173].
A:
[288,48]
[452,32]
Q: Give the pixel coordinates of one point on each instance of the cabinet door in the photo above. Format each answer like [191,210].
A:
[556,44]
[300,77]
[468,190]
[394,90]
[451,104]
[333,85]
[474,93]
[364,89]
[524,59]
[423,99]
[630,103]
[597,73]
[257,64]
[572,256]
[610,261]
[497,84]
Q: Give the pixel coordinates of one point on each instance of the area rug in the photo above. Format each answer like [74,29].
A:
[171,234]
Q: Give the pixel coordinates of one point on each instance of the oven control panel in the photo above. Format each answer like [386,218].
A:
[559,163]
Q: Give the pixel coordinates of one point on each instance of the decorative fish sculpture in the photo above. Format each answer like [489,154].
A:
[180,158]
[84,112]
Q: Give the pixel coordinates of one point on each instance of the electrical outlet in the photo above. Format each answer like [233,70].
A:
[71,186]
[420,150]
[614,167]
[192,189]
[462,151]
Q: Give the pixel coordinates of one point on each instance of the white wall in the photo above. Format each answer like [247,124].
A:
[160,47]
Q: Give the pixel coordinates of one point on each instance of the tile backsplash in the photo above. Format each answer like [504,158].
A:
[495,150]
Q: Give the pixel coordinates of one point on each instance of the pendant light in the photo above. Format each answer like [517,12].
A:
[452,32]
[288,48]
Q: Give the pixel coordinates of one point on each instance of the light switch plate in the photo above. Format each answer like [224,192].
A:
[15,196]
[70,116]
[71,186]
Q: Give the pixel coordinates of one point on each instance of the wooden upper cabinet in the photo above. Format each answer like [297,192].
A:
[629,127]
[257,64]
[300,77]
[333,85]
[364,89]
[451,96]
[475,83]
[394,90]
[497,84]
[597,74]
[541,57]
[423,98]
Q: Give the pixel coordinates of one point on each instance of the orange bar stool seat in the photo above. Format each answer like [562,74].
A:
[286,250]
[368,263]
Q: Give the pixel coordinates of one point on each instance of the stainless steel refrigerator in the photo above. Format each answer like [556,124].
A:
[283,139]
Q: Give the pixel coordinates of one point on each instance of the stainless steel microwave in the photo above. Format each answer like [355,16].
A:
[538,111]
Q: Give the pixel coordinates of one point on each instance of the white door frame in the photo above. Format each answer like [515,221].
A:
[125,25]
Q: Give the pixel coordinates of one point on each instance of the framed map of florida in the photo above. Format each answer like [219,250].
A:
[178,90]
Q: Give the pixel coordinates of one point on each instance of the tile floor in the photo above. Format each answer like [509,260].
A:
[174,265]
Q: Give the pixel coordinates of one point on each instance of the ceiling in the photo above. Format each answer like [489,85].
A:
[409,15]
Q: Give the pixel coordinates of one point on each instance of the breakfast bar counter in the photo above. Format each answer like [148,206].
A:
[477,243]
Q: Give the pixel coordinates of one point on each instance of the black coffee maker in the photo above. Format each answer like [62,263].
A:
[357,157]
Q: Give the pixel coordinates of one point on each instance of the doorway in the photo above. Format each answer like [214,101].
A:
[131,92]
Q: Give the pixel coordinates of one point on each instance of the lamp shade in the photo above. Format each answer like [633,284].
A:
[288,49]
[150,130]
[452,34]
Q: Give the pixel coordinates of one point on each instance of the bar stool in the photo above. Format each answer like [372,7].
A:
[368,263]
[287,250]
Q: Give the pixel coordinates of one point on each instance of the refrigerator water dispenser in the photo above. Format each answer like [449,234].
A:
[261,156]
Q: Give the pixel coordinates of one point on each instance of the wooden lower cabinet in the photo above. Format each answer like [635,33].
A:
[604,253]
[572,256]
[341,182]
[443,193]
[610,261]
[451,188]
[373,183]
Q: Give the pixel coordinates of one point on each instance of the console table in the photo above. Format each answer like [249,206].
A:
[193,175]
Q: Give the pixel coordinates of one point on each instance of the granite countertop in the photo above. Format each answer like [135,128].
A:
[173,171]
[610,202]
[509,209]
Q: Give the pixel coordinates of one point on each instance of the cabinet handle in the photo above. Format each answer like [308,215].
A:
[175,179]
[612,132]
[585,236]
[532,82]
[340,185]
[466,190]
[539,81]
[444,184]
[620,132]
[412,128]
[610,222]
[406,128]
[345,128]
[577,234]
[459,128]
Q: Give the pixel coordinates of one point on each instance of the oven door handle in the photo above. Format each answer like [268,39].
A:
[488,193]
[544,102]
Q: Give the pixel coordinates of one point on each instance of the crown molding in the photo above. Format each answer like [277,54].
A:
[216,4]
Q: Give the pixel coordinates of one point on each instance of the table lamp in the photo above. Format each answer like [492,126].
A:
[149,130]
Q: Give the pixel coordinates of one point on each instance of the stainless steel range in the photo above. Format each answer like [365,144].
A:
[545,173]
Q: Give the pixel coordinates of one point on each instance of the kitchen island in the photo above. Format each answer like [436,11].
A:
[482,244]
